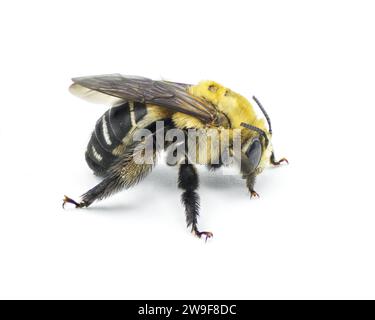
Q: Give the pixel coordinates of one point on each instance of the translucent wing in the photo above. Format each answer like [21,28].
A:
[170,95]
[94,96]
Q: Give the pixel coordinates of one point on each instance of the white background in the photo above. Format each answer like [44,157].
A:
[310,235]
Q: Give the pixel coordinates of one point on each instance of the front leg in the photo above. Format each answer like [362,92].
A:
[250,182]
[189,182]
[249,173]
[277,163]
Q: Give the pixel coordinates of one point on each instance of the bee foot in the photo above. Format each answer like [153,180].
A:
[277,163]
[207,234]
[69,200]
[254,194]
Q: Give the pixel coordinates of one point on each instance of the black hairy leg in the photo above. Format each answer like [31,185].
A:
[102,190]
[123,174]
[70,200]
[277,163]
[189,182]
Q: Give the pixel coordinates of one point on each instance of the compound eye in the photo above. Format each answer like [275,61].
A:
[254,153]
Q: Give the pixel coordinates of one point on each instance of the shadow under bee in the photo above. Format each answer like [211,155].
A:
[166,177]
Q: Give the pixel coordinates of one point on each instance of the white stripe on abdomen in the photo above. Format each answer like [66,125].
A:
[105,132]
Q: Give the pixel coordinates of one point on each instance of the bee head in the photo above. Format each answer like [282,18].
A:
[254,148]
[254,153]
[257,145]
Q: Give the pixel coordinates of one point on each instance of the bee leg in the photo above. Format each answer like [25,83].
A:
[189,182]
[100,191]
[250,182]
[277,163]
[249,174]
[124,174]
[70,200]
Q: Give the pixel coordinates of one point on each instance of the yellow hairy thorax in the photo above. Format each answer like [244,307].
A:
[234,106]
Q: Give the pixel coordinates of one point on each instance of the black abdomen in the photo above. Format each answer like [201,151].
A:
[110,130]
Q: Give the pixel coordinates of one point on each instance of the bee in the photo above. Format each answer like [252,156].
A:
[139,103]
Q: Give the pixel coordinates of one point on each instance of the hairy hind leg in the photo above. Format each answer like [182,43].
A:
[102,190]
[124,173]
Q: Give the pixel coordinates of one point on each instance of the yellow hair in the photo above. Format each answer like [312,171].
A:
[234,106]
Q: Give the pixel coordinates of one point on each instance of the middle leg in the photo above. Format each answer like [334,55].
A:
[189,182]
